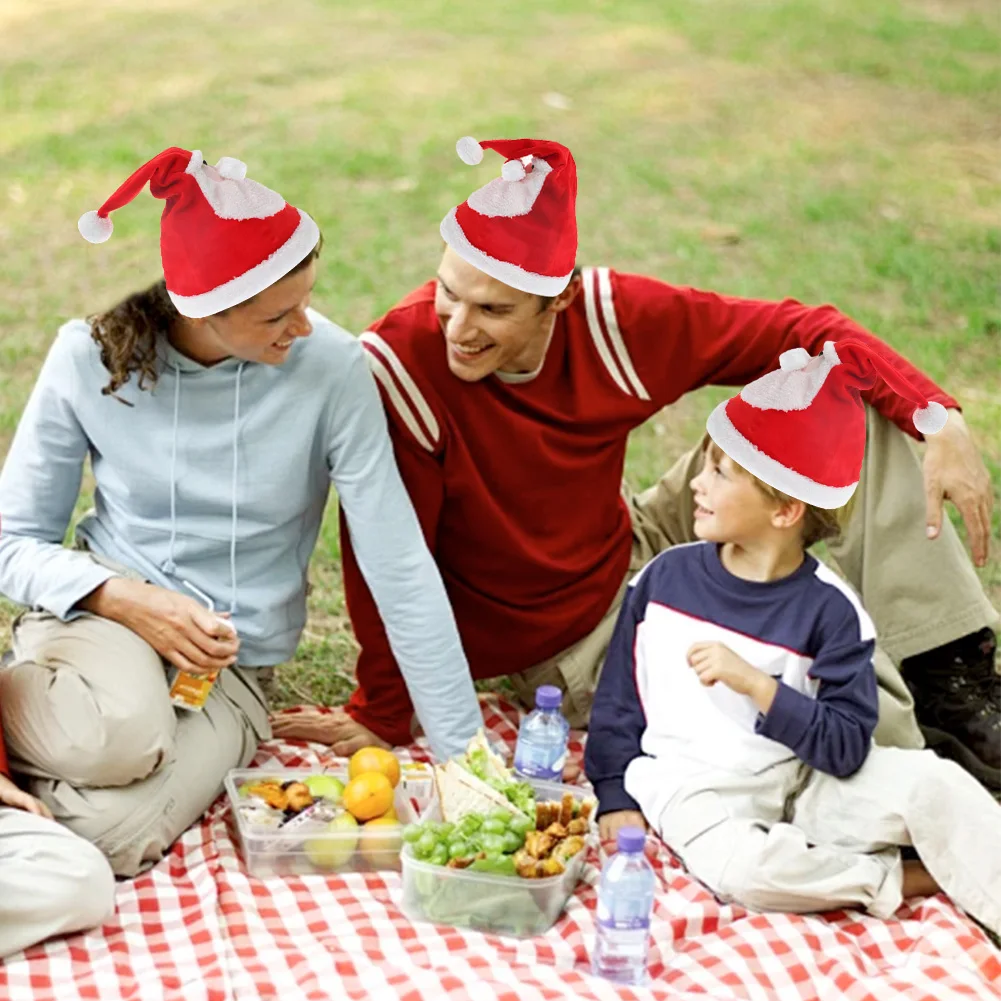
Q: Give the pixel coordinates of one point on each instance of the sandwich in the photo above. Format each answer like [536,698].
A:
[479,782]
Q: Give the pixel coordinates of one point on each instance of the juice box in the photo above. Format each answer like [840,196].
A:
[191,691]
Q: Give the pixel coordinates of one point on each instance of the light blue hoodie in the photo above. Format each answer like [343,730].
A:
[219,477]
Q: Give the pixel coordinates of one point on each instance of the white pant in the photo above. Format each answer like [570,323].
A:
[51,881]
[792,839]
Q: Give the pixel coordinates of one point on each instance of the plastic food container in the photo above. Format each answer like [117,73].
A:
[505,905]
[281,852]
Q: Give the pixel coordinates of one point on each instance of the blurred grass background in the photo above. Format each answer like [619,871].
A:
[840,151]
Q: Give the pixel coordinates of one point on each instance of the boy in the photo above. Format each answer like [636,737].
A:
[737,704]
[51,881]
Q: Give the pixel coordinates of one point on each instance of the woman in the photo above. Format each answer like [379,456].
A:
[216,408]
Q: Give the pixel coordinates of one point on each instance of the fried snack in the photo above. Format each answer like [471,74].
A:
[463,863]
[568,847]
[271,792]
[526,866]
[578,826]
[538,844]
[552,867]
[586,809]
[298,796]
[545,814]
[557,830]
[566,808]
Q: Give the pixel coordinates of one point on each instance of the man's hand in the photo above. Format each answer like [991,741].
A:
[714,662]
[609,824]
[180,629]
[953,469]
[10,795]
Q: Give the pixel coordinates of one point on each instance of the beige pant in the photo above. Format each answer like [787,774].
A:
[51,882]
[920,593]
[836,842]
[86,714]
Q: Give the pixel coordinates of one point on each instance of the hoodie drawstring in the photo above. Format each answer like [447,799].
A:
[236,468]
[170,567]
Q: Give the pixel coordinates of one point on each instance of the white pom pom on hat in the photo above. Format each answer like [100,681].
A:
[94,228]
[794,359]
[930,419]
[512,170]
[469,150]
[229,166]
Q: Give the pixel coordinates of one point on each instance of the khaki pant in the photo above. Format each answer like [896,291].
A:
[836,842]
[86,715]
[51,882]
[920,593]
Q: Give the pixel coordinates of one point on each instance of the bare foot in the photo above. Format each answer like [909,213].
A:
[918,881]
[332,726]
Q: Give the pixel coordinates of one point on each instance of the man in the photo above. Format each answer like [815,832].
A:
[511,384]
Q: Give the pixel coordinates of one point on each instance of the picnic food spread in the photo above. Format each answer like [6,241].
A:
[504,843]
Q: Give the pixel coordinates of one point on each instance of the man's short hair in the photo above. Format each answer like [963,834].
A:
[819,523]
[545,300]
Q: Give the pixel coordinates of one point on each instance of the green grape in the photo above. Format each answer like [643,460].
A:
[425,844]
[470,824]
[440,855]
[459,849]
[412,833]
[494,826]
[512,842]
[492,844]
[522,825]
[503,816]
[445,830]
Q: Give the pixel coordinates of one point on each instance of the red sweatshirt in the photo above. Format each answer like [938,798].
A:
[517,484]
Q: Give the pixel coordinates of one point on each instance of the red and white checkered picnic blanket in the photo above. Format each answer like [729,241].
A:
[197,928]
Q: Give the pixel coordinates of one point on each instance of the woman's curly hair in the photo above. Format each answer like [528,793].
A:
[128,333]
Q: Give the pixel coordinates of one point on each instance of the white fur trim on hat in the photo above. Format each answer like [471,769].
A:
[509,274]
[469,150]
[95,228]
[769,470]
[243,287]
[930,419]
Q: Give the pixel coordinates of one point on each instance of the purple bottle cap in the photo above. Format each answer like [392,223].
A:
[630,839]
[548,697]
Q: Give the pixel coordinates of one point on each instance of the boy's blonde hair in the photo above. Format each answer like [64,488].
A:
[818,523]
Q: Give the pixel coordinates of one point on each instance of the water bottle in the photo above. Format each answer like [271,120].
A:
[625,901]
[541,750]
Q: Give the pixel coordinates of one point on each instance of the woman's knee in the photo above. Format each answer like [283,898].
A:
[58,723]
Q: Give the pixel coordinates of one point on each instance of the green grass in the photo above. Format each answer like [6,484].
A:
[833,150]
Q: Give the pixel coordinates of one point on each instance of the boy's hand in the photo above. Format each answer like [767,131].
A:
[610,823]
[714,662]
[10,795]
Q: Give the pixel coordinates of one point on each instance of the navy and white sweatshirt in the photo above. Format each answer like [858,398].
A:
[654,724]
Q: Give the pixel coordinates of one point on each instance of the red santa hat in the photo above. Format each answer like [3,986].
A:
[521,228]
[223,237]
[801,428]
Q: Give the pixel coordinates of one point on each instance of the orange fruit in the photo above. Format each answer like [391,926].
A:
[375,759]
[381,840]
[368,795]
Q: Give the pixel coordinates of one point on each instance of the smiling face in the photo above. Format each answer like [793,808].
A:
[729,506]
[489,326]
[262,330]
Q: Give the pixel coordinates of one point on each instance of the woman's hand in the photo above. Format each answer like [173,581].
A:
[183,632]
[11,795]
